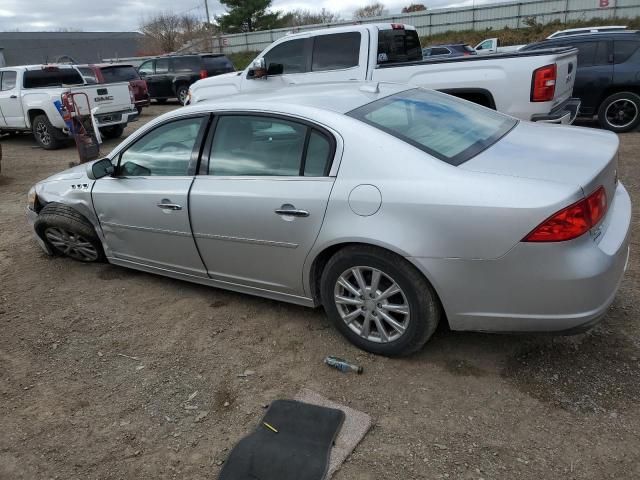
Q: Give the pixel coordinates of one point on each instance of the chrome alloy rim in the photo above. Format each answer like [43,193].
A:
[621,113]
[372,304]
[183,96]
[43,133]
[71,244]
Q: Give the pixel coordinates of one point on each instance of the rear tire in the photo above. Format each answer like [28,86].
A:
[407,318]
[68,233]
[620,112]
[45,134]
[114,131]
[182,93]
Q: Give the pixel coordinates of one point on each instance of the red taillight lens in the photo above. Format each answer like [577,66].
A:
[203,74]
[543,87]
[132,97]
[573,221]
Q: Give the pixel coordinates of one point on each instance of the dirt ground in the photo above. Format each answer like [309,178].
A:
[98,363]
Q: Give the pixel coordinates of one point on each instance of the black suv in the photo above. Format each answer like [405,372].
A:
[608,76]
[170,76]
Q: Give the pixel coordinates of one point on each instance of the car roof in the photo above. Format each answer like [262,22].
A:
[338,97]
[571,31]
[611,33]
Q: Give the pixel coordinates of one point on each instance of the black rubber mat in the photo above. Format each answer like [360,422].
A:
[298,451]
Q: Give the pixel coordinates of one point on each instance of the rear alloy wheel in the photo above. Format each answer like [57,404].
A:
[379,301]
[182,93]
[46,134]
[69,233]
[620,112]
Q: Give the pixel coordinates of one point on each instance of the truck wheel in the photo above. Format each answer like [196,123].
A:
[379,301]
[69,233]
[182,93]
[47,136]
[114,131]
[620,112]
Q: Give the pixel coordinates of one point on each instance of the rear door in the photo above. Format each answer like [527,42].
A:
[258,209]
[144,209]
[10,101]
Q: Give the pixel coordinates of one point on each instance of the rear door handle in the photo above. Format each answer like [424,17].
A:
[13,96]
[294,212]
[170,206]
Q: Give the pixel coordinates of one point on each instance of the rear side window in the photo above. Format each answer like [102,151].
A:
[398,46]
[333,52]
[288,54]
[162,65]
[119,74]
[185,64]
[8,81]
[445,127]
[216,65]
[586,53]
[623,50]
[439,51]
[52,78]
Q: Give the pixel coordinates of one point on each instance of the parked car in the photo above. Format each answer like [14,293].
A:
[583,30]
[170,76]
[449,51]
[607,80]
[392,206]
[115,73]
[492,45]
[28,95]
[532,86]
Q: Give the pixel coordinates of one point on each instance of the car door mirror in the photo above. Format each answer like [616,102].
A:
[100,168]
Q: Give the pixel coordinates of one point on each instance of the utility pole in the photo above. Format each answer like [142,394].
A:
[206,7]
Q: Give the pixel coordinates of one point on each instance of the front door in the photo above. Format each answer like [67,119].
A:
[144,209]
[257,213]
[10,102]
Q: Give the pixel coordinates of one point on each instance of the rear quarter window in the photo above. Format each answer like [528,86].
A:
[52,78]
[445,127]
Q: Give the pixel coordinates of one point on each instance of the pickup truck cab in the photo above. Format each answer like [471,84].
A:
[28,97]
[533,86]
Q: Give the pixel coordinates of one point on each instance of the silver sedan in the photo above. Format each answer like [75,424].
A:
[393,207]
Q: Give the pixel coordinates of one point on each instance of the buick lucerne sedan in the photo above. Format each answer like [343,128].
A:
[392,207]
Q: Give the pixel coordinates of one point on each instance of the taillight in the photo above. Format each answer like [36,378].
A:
[572,221]
[543,86]
[131,95]
[203,74]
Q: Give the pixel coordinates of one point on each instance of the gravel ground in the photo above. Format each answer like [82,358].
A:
[108,373]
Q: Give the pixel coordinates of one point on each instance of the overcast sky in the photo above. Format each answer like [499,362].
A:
[125,15]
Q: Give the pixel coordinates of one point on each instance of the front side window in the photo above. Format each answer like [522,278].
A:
[246,145]
[8,81]
[146,68]
[165,150]
[337,51]
[288,54]
[162,65]
[445,127]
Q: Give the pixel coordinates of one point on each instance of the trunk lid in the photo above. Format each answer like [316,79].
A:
[584,157]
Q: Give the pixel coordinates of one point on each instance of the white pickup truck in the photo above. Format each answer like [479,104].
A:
[531,87]
[28,97]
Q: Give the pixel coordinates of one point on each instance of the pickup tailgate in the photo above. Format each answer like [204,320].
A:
[108,98]
[566,67]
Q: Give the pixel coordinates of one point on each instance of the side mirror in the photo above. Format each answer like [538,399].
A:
[258,69]
[99,169]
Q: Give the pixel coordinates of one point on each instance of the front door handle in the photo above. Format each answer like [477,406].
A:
[13,96]
[170,206]
[294,212]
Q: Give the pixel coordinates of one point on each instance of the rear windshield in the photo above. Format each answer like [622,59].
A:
[398,46]
[448,128]
[52,78]
[122,73]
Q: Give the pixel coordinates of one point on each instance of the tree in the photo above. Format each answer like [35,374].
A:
[249,16]
[414,7]
[297,18]
[372,10]
[166,32]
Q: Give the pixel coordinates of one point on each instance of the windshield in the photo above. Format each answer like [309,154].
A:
[446,127]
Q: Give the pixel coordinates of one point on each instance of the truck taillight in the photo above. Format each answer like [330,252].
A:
[572,221]
[131,95]
[203,74]
[543,85]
